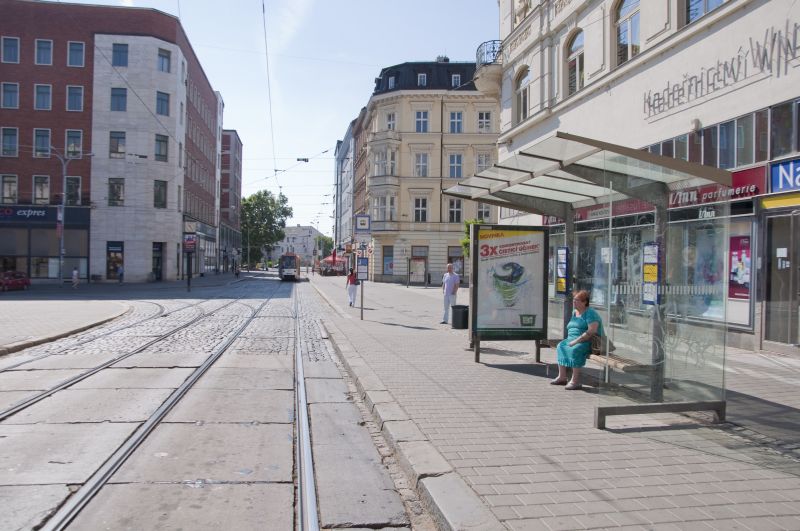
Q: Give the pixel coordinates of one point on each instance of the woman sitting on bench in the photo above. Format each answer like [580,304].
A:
[574,350]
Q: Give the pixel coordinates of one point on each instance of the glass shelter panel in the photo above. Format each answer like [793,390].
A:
[659,282]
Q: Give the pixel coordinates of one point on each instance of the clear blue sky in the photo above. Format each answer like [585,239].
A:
[323,58]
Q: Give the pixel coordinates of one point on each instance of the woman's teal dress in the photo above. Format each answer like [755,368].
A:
[576,356]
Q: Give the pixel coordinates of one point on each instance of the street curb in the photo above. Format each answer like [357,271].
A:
[448,498]
[22,345]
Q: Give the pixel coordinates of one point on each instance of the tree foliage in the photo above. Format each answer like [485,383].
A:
[263,220]
[465,241]
[325,243]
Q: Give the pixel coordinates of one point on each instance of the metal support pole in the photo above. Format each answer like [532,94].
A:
[659,319]
[362,299]
[189,271]
[569,241]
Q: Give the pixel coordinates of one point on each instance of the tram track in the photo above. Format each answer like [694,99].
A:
[72,346]
[30,401]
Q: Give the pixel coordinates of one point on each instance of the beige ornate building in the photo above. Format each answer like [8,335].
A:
[426,127]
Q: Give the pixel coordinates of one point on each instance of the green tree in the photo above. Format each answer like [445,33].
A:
[263,220]
[325,243]
[465,241]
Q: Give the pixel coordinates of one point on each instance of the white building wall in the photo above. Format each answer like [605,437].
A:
[138,224]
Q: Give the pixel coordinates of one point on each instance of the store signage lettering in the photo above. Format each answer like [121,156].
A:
[785,176]
[27,213]
[771,56]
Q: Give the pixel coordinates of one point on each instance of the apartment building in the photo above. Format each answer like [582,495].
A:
[301,240]
[230,232]
[122,127]
[707,81]
[425,127]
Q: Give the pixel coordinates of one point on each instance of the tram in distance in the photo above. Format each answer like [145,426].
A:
[289,267]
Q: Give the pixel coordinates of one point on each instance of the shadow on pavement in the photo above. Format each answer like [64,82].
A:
[404,326]
[774,420]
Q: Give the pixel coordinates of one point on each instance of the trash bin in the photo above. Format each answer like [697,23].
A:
[460,316]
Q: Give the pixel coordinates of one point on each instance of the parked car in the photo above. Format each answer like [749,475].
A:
[14,280]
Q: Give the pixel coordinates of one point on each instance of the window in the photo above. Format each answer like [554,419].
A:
[74,143]
[42,97]
[164,59]
[10,53]
[10,95]
[162,103]
[695,147]
[420,165]
[697,8]
[116,192]
[162,148]
[484,122]
[391,82]
[483,162]
[44,52]
[391,162]
[422,80]
[420,209]
[41,189]
[781,129]
[75,53]
[159,194]
[456,121]
[422,121]
[455,80]
[455,165]
[73,191]
[380,164]
[682,147]
[727,150]
[119,54]
[379,208]
[390,121]
[668,148]
[119,99]
[521,92]
[74,98]
[745,140]
[41,143]
[575,64]
[762,135]
[710,146]
[9,189]
[10,137]
[388,260]
[627,18]
[484,212]
[455,211]
[116,145]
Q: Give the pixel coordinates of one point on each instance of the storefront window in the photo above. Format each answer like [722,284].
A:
[762,135]
[726,145]
[745,140]
[782,120]
[388,260]
[710,146]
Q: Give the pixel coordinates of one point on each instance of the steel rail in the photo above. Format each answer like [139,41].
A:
[306,487]
[70,509]
[104,334]
[16,408]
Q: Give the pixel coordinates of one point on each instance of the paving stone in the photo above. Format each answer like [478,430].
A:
[421,459]
[234,405]
[93,405]
[25,507]
[397,431]
[25,380]
[455,505]
[245,378]
[389,411]
[135,378]
[326,390]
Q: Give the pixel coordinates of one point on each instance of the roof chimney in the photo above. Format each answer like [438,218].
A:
[442,59]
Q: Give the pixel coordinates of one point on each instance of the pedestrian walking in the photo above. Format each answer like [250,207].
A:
[450,284]
[75,278]
[120,273]
[352,287]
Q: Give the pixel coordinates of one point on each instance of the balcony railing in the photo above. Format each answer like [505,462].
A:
[489,53]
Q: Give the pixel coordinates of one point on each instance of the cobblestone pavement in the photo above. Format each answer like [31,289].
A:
[527,451]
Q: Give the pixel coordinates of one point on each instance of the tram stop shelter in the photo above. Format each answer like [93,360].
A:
[657,275]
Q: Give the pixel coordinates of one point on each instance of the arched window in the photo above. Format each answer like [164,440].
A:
[627,19]
[522,93]
[575,64]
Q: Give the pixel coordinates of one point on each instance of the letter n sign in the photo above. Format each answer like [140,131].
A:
[785,176]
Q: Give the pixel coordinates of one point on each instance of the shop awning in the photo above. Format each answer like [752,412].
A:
[567,171]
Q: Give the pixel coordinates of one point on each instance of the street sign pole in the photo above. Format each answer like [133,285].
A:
[189,276]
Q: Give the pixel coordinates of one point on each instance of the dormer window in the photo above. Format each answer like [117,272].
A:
[422,80]
[455,80]
[391,82]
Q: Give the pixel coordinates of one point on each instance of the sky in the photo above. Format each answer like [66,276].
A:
[324,56]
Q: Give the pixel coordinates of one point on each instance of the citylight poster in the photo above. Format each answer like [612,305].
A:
[510,294]
[739,283]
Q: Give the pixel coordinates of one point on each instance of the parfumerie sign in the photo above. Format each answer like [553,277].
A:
[770,56]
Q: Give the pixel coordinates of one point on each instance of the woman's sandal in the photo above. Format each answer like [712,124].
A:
[573,386]
[556,381]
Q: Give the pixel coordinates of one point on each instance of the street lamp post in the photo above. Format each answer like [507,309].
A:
[64,159]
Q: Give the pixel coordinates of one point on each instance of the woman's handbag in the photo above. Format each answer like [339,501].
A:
[599,345]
